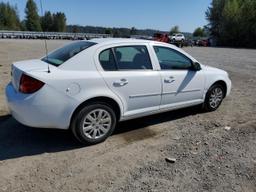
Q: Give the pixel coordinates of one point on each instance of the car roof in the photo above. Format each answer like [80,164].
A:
[109,41]
[118,40]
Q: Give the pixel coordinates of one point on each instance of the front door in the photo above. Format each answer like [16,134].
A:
[182,86]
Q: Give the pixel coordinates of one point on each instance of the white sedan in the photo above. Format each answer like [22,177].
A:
[88,86]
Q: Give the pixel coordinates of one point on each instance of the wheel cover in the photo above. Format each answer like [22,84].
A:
[216,97]
[97,123]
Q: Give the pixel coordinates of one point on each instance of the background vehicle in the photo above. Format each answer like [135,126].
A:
[178,37]
[187,43]
[203,43]
[178,40]
[161,37]
[88,86]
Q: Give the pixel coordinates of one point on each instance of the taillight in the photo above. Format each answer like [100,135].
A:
[29,84]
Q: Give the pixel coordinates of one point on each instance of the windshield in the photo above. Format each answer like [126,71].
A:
[65,53]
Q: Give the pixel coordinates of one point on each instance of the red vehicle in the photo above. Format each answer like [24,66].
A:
[203,43]
[161,37]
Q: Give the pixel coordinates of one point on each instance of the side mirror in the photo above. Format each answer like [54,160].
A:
[196,66]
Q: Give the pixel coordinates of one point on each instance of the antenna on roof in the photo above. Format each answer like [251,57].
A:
[45,43]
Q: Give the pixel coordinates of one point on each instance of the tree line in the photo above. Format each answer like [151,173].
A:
[233,22]
[56,22]
[9,19]
[115,31]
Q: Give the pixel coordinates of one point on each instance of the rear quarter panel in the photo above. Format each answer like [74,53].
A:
[79,85]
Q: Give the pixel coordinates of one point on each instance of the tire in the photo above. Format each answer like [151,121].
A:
[213,98]
[94,123]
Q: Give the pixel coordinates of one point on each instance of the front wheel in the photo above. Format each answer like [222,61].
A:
[94,123]
[214,97]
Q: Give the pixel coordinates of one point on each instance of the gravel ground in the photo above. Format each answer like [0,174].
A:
[214,151]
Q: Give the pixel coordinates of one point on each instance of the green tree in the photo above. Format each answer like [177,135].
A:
[108,31]
[32,17]
[214,16]
[23,25]
[133,31]
[232,17]
[47,21]
[9,18]
[199,32]
[174,30]
[247,23]
[116,32]
[233,22]
[59,22]
[75,29]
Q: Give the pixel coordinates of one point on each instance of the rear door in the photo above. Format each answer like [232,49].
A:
[129,73]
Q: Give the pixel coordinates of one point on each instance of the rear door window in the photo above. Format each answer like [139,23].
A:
[126,58]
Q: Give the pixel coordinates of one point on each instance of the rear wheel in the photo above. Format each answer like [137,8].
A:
[214,97]
[94,123]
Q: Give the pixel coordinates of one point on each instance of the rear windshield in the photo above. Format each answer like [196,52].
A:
[65,53]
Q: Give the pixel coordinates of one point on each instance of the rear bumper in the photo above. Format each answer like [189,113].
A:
[44,109]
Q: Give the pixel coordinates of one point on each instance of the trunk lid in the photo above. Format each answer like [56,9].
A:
[18,68]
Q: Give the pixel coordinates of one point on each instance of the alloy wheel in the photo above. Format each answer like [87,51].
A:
[97,123]
[216,97]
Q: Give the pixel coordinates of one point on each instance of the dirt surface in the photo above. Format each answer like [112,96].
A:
[17,50]
[214,151]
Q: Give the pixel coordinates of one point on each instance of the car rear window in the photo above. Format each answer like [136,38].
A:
[63,54]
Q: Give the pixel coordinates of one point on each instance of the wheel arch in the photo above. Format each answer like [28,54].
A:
[223,84]
[101,99]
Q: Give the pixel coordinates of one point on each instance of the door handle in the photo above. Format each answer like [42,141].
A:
[122,82]
[169,80]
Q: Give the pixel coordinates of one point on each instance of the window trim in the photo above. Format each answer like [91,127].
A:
[111,51]
[116,63]
[179,53]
